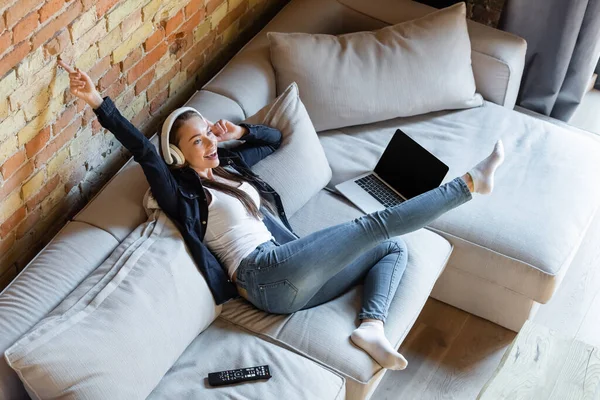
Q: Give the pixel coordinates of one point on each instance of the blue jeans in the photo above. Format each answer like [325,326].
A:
[314,269]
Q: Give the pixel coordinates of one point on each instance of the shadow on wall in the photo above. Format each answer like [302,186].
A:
[484,11]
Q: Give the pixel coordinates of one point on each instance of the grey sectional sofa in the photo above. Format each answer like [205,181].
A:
[498,257]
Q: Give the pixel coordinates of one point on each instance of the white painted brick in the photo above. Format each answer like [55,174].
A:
[169,9]
[135,107]
[135,40]
[83,24]
[9,84]
[149,10]
[31,65]
[110,42]
[122,11]
[83,43]
[201,31]
[177,82]
[9,205]
[39,82]
[78,145]
[88,59]
[4,108]
[55,106]
[217,15]
[11,125]
[7,148]
[53,166]
[165,64]
[134,24]
[33,185]
[37,104]
[234,3]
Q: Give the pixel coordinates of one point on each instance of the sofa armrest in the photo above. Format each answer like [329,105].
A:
[498,57]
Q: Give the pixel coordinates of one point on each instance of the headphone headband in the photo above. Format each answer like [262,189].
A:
[166,130]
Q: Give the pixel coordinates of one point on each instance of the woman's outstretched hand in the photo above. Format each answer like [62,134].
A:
[226,130]
[82,85]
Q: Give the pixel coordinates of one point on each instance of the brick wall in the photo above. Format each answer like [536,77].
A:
[148,55]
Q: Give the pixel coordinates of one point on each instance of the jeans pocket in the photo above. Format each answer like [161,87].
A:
[278,297]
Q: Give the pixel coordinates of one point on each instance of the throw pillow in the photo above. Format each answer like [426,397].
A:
[299,167]
[124,326]
[410,68]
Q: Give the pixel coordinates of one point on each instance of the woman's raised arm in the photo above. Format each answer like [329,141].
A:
[160,178]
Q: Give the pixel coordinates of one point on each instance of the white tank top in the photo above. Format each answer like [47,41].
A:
[232,233]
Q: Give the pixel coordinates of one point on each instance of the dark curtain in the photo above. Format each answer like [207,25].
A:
[563,48]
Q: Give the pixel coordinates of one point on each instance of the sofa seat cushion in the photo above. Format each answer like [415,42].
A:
[524,235]
[226,346]
[322,333]
[76,251]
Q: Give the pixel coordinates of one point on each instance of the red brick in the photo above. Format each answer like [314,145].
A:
[110,77]
[193,6]
[173,23]
[63,120]
[66,135]
[197,50]
[11,165]
[2,24]
[148,61]
[32,218]
[87,4]
[16,180]
[43,193]
[159,101]
[154,39]
[212,5]
[115,89]
[102,6]
[130,20]
[12,222]
[25,27]
[38,142]
[21,8]
[192,23]
[59,22]
[143,82]
[11,59]
[131,59]
[5,41]
[50,8]
[163,81]
[58,43]
[81,104]
[99,69]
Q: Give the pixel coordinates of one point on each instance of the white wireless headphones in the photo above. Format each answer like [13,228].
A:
[171,153]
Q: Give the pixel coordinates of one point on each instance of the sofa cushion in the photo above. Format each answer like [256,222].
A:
[523,235]
[226,346]
[363,77]
[148,295]
[299,168]
[323,333]
[76,250]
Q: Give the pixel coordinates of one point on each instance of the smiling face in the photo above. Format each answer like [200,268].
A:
[198,144]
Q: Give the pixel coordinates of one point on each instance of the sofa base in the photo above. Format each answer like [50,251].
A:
[483,298]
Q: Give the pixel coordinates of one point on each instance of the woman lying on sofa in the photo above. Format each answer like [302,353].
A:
[188,181]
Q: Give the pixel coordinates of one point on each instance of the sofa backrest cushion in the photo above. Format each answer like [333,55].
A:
[124,326]
[406,69]
[298,169]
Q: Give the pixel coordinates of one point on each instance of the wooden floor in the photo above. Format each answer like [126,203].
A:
[452,354]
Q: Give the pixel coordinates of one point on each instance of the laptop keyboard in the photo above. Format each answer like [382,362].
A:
[379,190]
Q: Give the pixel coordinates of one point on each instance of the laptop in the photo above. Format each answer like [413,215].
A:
[405,170]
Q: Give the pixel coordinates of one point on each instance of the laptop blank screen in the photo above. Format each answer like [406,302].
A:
[409,168]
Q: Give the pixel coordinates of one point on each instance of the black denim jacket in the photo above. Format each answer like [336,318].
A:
[180,194]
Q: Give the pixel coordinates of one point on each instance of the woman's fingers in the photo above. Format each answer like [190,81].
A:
[65,66]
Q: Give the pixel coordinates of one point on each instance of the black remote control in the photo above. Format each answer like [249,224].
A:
[238,375]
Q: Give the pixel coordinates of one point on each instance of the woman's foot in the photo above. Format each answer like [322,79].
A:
[370,337]
[483,173]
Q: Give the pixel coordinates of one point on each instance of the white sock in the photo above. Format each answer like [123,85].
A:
[483,173]
[370,337]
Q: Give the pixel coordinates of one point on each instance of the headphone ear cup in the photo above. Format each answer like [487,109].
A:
[177,155]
